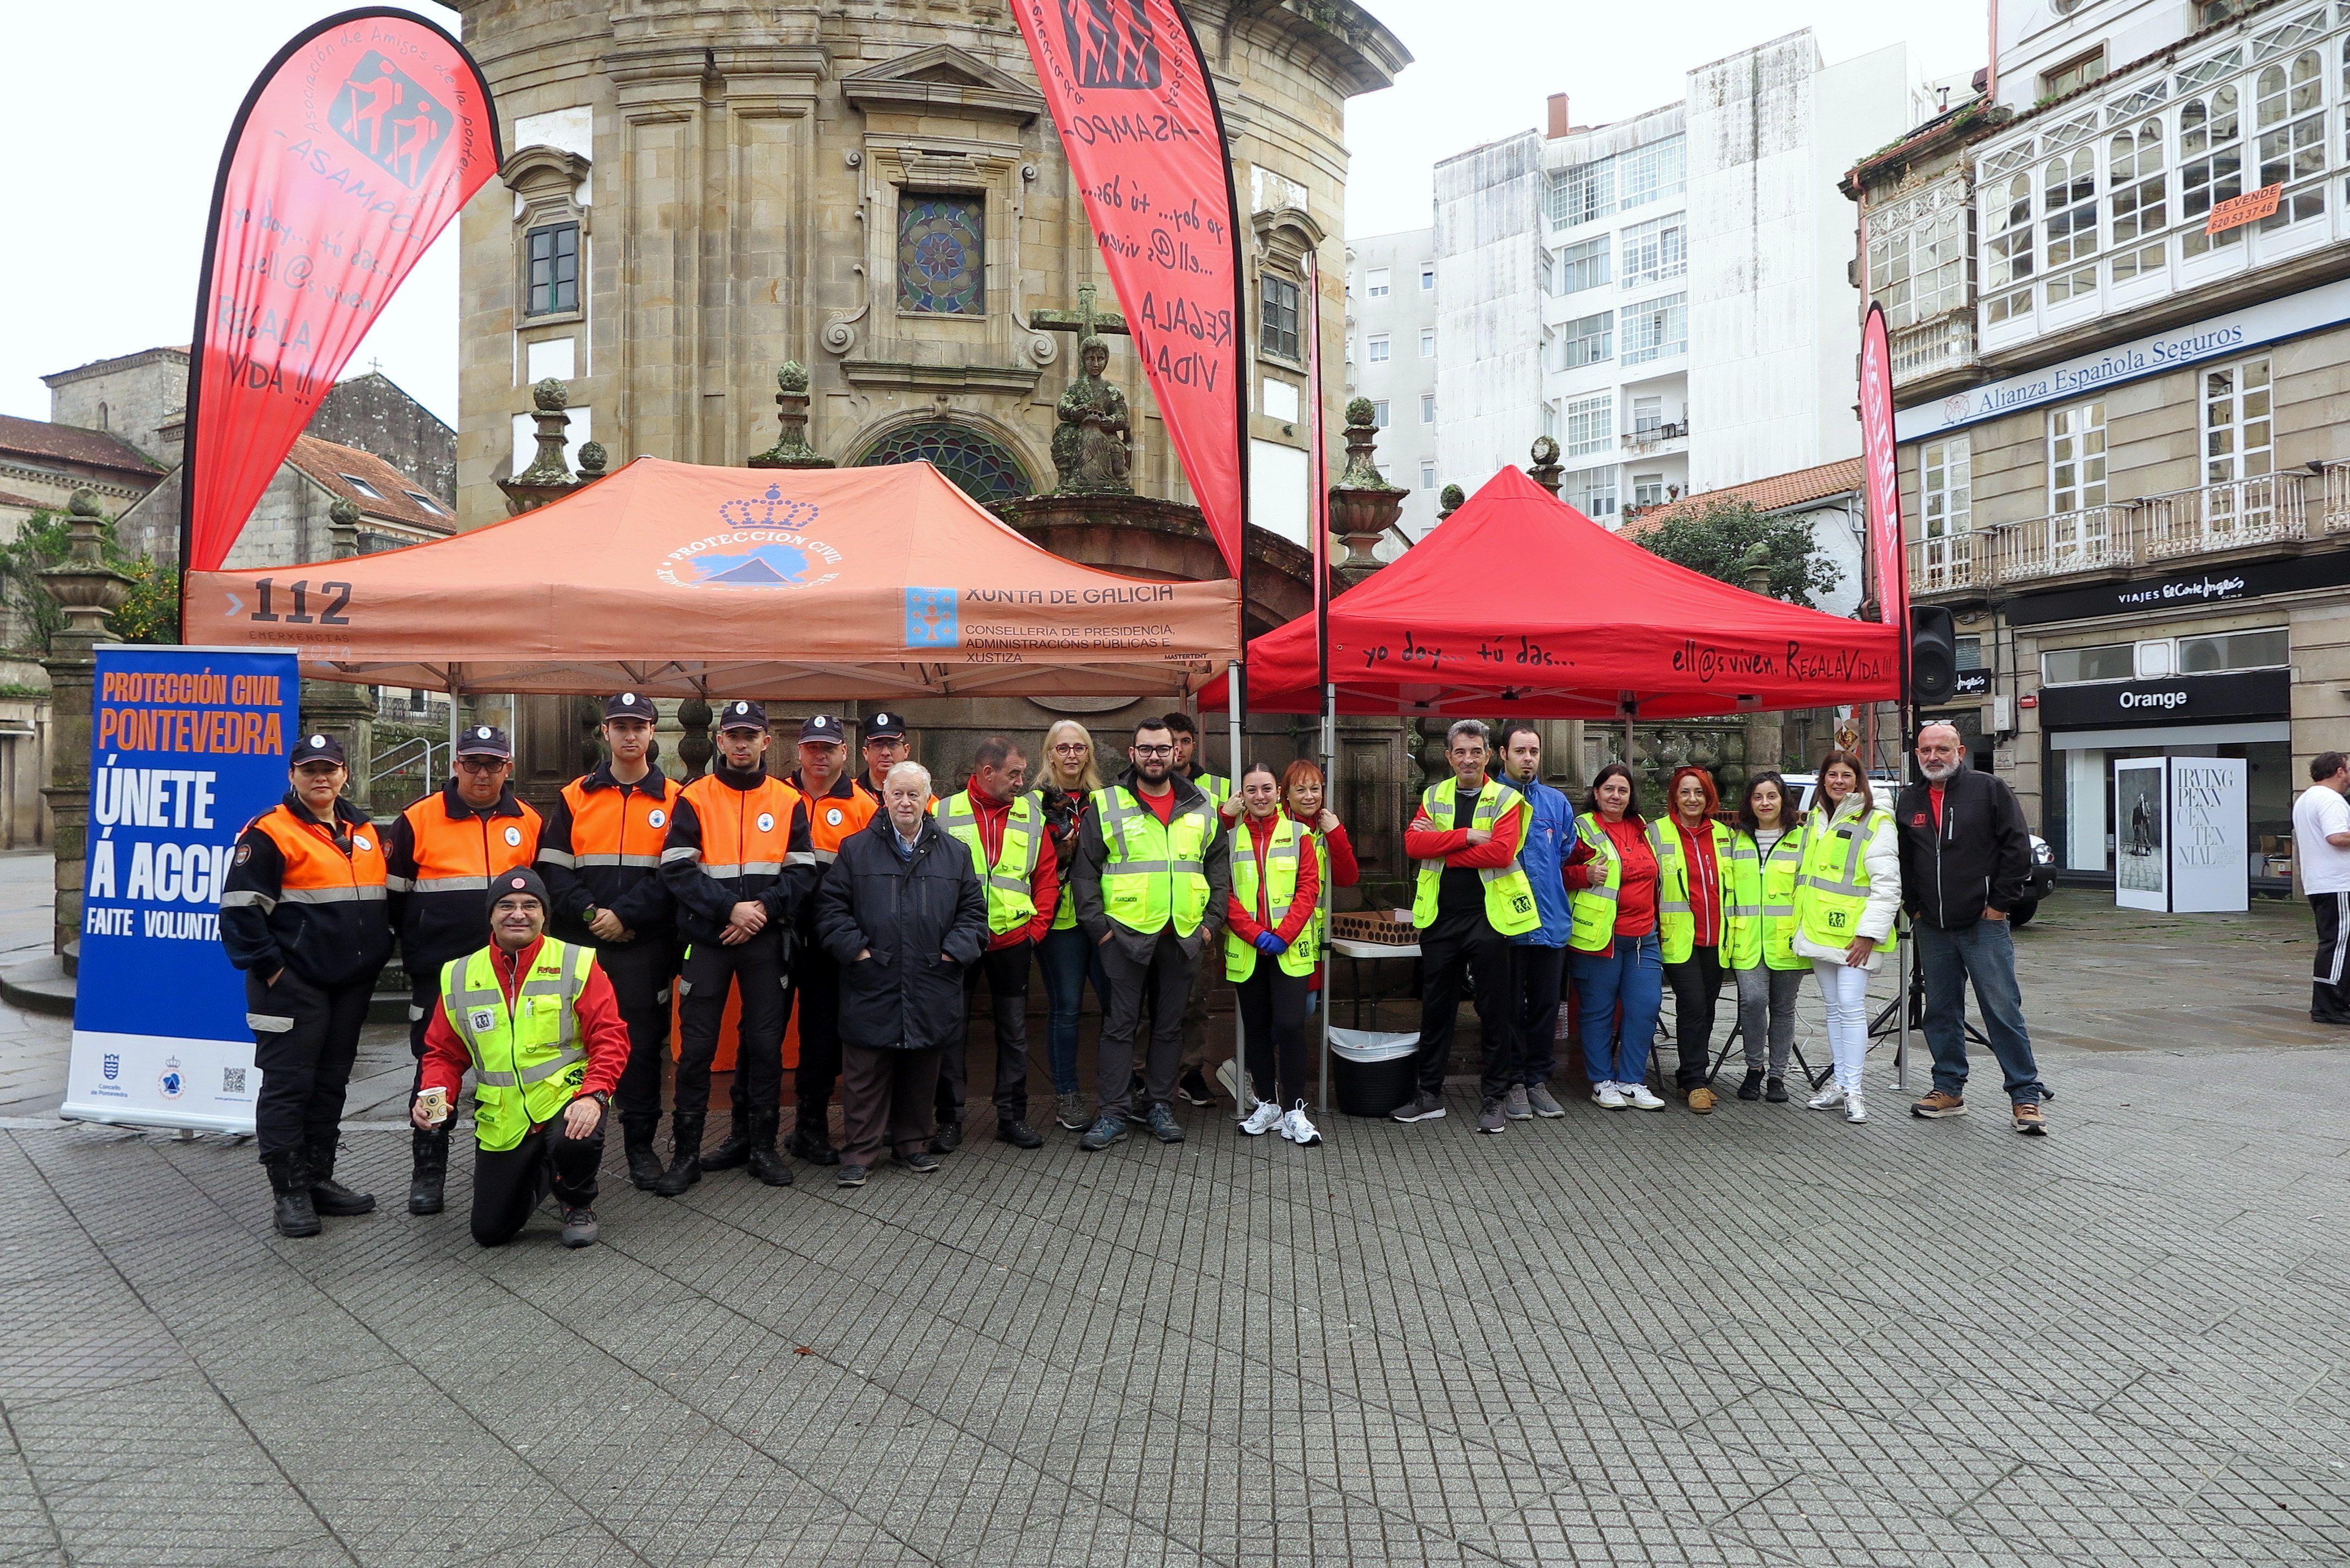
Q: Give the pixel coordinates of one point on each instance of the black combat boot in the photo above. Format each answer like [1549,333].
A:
[685,1153]
[429,1149]
[734,1147]
[288,1181]
[328,1196]
[765,1165]
[637,1129]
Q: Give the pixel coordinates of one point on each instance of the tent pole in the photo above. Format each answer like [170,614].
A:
[1235,674]
[453,684]
[1322,957]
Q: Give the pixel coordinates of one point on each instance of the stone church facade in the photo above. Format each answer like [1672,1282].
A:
[699,191]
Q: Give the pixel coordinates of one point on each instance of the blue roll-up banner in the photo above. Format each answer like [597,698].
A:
[187,745]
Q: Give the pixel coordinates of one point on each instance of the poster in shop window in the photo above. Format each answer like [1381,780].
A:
[2141,834]
[187,745]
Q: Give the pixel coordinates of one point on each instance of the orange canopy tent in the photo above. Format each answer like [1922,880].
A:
[672,579]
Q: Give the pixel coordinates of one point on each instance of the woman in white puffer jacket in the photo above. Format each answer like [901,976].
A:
[1834,896]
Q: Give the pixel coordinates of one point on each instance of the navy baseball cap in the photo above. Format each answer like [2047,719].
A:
[315,748]
[886,727]
[629,705]
[821,727]
[483,741]
[742,715]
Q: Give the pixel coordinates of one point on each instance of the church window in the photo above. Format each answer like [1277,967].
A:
[1277,326]
[941,255]
[553,252]
[980,466]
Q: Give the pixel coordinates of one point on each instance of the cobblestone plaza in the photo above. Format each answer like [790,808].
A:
[1761,1338]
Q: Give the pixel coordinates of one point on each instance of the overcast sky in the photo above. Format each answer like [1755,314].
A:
[111,168]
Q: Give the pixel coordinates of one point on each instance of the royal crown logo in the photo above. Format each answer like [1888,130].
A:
[770,511]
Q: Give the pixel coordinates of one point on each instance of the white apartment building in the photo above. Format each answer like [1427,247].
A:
[1668,297]
[1391,359]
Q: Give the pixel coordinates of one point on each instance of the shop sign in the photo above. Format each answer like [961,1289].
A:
[2182,699]
[2186,591]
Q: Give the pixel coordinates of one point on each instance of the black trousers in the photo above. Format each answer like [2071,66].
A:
[1537,976]
[509,1183]
[815,989]
[757,967]
[1697,993]
[641,974]
[1273,1025]
[2329,996]
[305,1038]
[1005,969]
[1453,949]
[1166,979]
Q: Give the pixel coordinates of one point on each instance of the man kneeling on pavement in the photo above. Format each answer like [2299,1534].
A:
[538,1024]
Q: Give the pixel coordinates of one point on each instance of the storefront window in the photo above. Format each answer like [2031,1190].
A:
[2264,649]
[2078,821]
[2114,662]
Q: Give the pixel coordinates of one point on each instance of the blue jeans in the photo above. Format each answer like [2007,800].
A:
[1066,957]
[1631,972]
[1984,952]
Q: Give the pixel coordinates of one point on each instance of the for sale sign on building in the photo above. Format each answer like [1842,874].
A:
[188,745]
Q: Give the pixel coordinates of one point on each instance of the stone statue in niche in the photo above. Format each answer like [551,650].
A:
[1092,441]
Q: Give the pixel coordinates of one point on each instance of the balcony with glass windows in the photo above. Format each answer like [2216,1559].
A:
[2097,208]
[2273,514]
[1645,441]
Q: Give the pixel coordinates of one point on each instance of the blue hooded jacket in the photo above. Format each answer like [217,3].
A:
[1550,838]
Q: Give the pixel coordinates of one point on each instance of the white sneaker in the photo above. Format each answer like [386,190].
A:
[1608,1096]
[1262,1120]
[1827,1099]
[1297,1129]
[1854,1111]
[1639,1098]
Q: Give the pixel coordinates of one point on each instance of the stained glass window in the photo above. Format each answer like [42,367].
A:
[977,462]
[940,255]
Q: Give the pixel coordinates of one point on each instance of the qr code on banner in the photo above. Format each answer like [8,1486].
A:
[232,1080]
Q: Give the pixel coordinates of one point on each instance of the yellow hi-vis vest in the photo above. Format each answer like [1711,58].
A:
[1759,903]
[1156,874]
[1280,887]
[528,1063]
[1676,921]
[1592,910]
[1011,896]
[1509,897]
[1832,881]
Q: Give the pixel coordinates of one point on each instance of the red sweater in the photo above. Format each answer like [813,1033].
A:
[600,1029]
[1249,924]
[1635,900]
[1345,871]
[1043,883]
[1424,841]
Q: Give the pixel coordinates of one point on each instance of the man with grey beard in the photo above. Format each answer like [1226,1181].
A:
[1966,856]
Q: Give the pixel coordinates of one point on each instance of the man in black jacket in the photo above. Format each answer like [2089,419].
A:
[1966,854]
[903,914]
[600,852]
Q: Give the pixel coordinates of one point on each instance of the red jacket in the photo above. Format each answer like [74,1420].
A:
[1043,883]
[600,1029]
[1249,924]
[1423,841]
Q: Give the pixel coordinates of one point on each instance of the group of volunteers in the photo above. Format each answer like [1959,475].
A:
[550,957]
[1530,898]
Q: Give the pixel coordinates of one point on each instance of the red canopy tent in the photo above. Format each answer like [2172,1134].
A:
[1518,602]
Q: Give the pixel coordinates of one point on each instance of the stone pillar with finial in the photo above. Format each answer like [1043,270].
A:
[791,449]
[1448,500]
[1363,504]
[340,708]
[1546,470]
[88,590]
[548,477]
